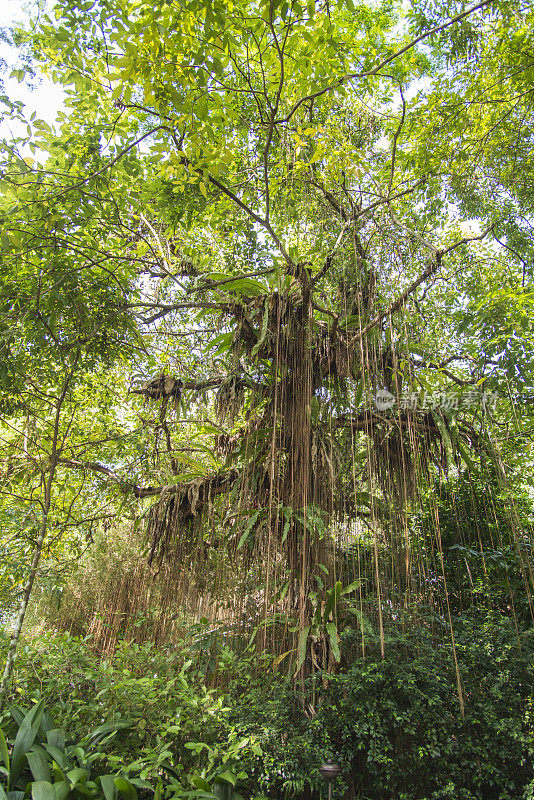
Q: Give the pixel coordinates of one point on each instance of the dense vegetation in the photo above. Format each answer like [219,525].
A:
[392,724]
[266,371]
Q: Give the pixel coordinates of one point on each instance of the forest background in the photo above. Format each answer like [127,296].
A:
[266,415]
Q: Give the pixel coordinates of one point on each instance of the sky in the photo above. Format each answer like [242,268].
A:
[46,98]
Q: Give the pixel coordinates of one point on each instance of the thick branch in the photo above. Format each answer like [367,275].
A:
[430,270]
[219,483]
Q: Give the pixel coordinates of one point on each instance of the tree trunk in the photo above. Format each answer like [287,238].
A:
[15,636]
[48,480]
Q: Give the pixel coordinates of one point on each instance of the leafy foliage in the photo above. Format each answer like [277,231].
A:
[41,762]
[392,723]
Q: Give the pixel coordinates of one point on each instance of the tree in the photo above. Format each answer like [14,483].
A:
[478,110]
[52,336]
[242,175]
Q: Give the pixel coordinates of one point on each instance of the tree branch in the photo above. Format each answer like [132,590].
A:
[220,483]
[430,270]
[356,75]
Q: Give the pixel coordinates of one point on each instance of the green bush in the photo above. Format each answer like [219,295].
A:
[180,732]
[272,710]
[394,725]
[38,761]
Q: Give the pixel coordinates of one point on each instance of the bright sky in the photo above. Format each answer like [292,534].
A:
[46,98]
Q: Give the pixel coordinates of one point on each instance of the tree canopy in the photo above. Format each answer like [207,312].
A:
[302,233]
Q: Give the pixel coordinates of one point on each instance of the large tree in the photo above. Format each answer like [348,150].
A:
[240,195]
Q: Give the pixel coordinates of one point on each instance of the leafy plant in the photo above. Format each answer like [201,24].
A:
[43,765]
[219,779]
[329,618]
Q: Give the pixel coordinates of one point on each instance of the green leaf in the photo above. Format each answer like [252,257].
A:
[365,624]
[4,753]
[332,599]
[24,739]
[264,326]
[350,588]
[56,738]
[222,343]
[126,788]
[201,783]
[47,724]
[285,532]
[110,727]
[331,629]
[43,790]
[301,648]
[109,789]
[62,789]
[58,756]
[77,775]
[246,532]
[200,793]
[140,783]
[39,766]
[226,776]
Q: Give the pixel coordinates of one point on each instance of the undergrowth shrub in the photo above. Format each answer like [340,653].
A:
[393,725]
[396,724]
[153,688]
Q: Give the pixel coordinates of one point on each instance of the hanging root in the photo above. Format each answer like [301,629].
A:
[175,519]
